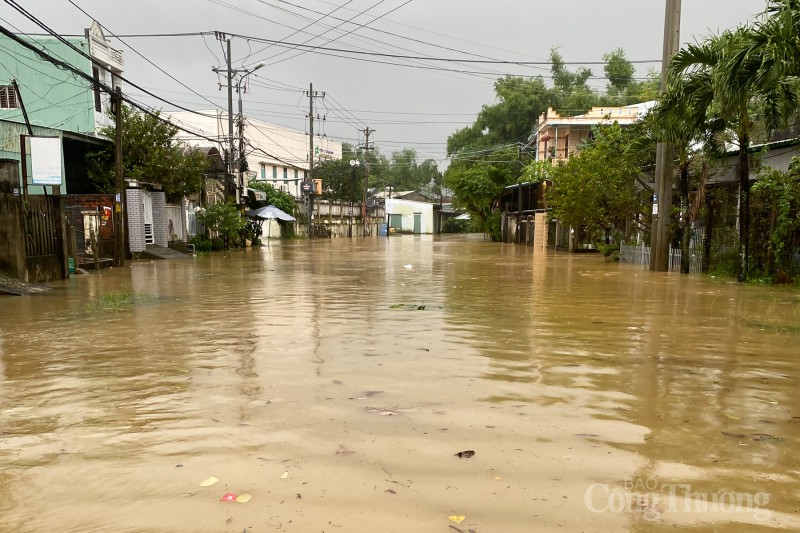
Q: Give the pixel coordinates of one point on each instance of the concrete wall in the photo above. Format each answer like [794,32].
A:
[52,96]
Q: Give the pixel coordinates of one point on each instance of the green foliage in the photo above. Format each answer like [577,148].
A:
[150,154]
[453,225]
[775,211]
[282,200]
[223,218]
[487,155]
[596,189]
[201,243]
[478,185]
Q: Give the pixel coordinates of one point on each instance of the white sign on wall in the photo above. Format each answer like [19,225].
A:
[46,161]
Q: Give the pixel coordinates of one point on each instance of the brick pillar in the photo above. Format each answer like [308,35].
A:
[540,231]
[160,222]
[135,209]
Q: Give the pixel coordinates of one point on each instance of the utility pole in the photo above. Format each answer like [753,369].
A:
[312,192]
[120,214]
[367,132]
[662,192]
[229,73]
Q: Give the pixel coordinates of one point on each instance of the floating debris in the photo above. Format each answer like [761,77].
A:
[466,454]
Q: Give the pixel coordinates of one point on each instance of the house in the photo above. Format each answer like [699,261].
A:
[407,216]
[274,154]
[54,115]
[558,137]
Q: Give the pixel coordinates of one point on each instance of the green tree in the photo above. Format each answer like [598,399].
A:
[619,71]
[478,185]
[150,153]
[282,200]
[223,218]
[340,180]
[737,83]
[596,190]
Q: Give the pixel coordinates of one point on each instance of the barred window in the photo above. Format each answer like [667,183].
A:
[8,97]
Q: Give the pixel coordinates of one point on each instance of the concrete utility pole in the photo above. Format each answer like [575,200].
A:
[662,192]
[119,215]
[229,73]
[313,192]
[367,132]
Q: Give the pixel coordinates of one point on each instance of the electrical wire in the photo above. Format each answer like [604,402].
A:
[140,54]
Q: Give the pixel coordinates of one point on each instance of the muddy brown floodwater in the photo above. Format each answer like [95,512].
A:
[333,381]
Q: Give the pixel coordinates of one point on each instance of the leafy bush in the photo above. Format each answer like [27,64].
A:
[452,225]
[201,243]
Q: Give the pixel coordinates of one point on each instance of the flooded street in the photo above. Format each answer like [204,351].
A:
[334,381]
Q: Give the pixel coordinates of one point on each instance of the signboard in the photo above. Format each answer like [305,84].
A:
[306,187]
[46,161]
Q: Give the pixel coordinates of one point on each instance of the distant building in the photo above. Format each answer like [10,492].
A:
[274,154]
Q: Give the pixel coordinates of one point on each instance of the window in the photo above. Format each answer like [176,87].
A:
[274,173]
[98,105]
[263,171]
[285,173]
[8,97]
[295,174]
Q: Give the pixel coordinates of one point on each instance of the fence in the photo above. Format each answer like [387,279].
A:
[640,255]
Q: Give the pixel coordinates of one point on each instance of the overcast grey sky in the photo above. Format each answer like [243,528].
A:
[408,106]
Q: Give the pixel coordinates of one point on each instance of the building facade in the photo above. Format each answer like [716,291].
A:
[274,154]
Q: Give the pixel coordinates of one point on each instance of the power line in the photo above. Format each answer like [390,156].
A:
[42,25]
[100,85]
[141,55]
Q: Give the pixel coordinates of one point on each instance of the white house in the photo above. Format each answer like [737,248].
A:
[409,217]
[274,154]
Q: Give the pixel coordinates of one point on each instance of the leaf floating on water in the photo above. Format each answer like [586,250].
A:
[733,417]
[390,491]
[244,498]
[734,435]
[229,497]
[285,475]
[209,481]
[457,518]
[466,454]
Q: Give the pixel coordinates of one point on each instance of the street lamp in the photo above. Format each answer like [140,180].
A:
[354,164]
[240,160]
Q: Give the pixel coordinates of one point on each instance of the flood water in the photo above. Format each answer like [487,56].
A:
[334,380]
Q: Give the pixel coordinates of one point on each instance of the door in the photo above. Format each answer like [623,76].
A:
[417,223]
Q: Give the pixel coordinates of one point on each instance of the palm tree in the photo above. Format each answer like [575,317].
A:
[728,75]
[681,118]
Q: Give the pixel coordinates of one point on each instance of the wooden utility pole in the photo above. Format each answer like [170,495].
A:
[662,192]
[120,213]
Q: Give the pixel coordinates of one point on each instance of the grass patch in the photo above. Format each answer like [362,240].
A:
[118,300]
